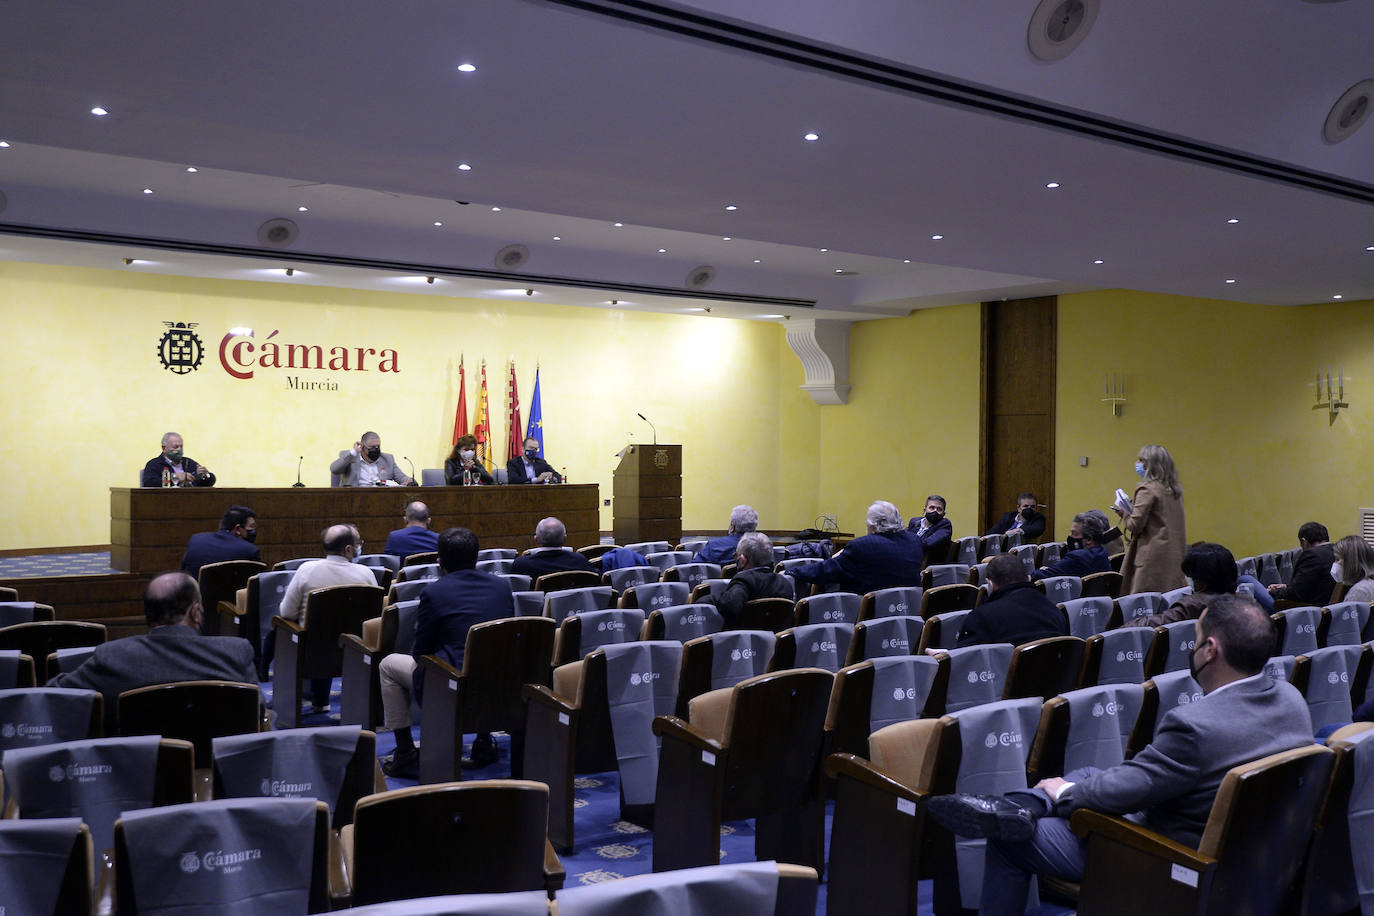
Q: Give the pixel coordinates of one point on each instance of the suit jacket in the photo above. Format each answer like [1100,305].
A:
[1032,527]
[1016,613]
[883,560]
[453,473]
[162,656]
[1077,563]
[347,465]
[1174,780]
[748,584]
[152,472]
[215,547]
[411,539]
[1312,582]
[545,560]
[449,607]
[1154,557]
[935,540]
[515,469]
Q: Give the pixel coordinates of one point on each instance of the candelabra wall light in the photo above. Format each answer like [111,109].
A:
[1114,387]
[1332,399]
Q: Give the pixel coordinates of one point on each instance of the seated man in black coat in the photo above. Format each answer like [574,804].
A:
[1016,612]
[182,471]
[549,554]
[1087,554]
[172,650]
[755,579]
[530,467]
[886,557]
[449,606]
[1311,582]
[1024,518]
[238,529]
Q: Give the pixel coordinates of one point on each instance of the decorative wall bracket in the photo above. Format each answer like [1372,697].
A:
[1334,401]
[822,345]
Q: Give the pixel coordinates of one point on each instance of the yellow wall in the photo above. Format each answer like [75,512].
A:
[1227,387]
[87,399]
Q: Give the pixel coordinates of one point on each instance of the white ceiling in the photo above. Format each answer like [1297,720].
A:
[577,118]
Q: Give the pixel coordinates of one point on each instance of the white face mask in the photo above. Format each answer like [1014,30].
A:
[467,454]
[1337,572]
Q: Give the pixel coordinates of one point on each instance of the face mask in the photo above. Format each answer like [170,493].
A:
[1074,543]
[250,536]
[1190,583]
[467,454]
[934,517]
[1193,667]
[175,454]
[531,452]
[374,453]
[1139,469]
[1337,572]
[1027,512]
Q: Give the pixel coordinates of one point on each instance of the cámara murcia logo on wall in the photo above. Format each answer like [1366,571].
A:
[180,349]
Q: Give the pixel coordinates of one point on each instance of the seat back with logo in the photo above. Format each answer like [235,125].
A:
[1087,727]
[1060,588]
[588,631]
[1172,647]
[1162,693]
[830,607]
[494,566]
[977,675]
[33,716]
[652,595]
[667,559]
[722,660]
[874,694]
[558,605]
[682,622]
[945,574]
[235,856]
[989,545]
[1116,656]
[965,551]
[334,764]
[1087,616]
[647,547]
[1347,621]
[419,571]
[941,631]
[46,866]
[1327,677]
[627,576]
[1298,629]
[816,645]
[884,636]
[1139,604]
[691,573]
[1049,554]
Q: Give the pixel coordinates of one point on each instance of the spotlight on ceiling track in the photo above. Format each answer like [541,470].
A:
[429,280]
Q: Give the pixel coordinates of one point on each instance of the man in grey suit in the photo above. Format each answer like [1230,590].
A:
[1168,787]
[366,465]
[172,650]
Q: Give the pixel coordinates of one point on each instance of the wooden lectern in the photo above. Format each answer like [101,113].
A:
[648,494]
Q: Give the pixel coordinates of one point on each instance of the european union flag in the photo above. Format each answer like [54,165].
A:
[535,429]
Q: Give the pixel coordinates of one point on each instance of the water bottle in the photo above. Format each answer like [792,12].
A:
[166,477]
[467,477]
[565,473]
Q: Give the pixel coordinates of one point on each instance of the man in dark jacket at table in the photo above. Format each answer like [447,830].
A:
[755,579]
[1311,582]
[888,556]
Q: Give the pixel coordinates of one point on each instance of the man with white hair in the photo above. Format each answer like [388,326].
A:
[755,579]
[181,471]
[549,554]
[886,557]
[721,550]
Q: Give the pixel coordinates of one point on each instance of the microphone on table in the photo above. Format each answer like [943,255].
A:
[298,474]
[651,426]
[412,467]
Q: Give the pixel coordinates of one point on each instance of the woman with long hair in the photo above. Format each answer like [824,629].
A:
[1354,569]
[464,458]
[1154,556]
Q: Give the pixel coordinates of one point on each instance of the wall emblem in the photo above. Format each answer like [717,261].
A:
[660,458]
[180,349]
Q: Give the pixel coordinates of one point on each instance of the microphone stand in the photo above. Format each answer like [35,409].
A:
[298,474]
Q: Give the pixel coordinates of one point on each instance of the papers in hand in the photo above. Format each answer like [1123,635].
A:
[1123,502]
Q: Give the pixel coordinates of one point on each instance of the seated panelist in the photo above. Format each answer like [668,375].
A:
[181,471]
[368,466]
[463,460]
[530,468]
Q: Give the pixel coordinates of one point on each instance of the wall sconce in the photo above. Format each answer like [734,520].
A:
[1114,386]
[1335,397]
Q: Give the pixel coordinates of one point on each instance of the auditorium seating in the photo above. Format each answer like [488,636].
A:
[1116,656]
[1101,583]
[559,604]
[628,576]
[721,660]
[828,607]
[311,651]
[220,582]
[1172,647]
[774,614]
[691,573]
[53,860]
[1328,879]
[1087,616]
[494,566]
[13,612]
[496,553]
[712,587]
[944,574]
[941,630]
[406,591]
[1086,727]
[40,639]
[1060,588]
[682,622]
[884,636]
[587,631]
[890,602]
[194,711]
[865,698]
[650,595]
[1044,667]
[360,700]
[816,645]
[250,614]
[426,558]
[412,572]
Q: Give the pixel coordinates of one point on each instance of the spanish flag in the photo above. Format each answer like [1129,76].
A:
[482,428]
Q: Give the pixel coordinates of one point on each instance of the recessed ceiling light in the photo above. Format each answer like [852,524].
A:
[1098,261]
[558,238]
[1338,296]
[1369,248]
[303,209]
[1230,280]
[758,260]
[437,224]
[725,238]
[1232,221]
[811,136]
[824,250]
[99,112]
[5,144]
[936,238]
[464,167]
[618,225]
[1051,185]
[467,68]
[694,310]
[770,316]
[147,190]
[839,270]
[192,169]
[731,207]
[495,209]
[663,251]
[906,260]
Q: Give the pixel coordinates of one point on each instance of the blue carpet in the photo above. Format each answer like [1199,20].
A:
[91,563]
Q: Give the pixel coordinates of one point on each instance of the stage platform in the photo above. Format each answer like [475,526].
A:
[79,586]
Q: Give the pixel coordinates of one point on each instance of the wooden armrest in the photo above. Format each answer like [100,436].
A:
[439,665]
[281,623]
[554,872]
[539,695]
[861,771]
[1085,823]
[228,607]
[340,883]
[682,730]
[353,641]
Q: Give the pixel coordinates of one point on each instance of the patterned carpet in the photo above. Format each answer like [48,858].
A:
[90,563]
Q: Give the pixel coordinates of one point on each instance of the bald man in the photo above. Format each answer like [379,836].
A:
[550,555]
[416,536]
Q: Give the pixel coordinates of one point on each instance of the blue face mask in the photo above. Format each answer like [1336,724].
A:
[1139,469]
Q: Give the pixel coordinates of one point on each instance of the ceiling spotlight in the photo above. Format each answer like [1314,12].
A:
[1369,248]
[731,207]
[758,260]
[618,225]
[467,68]
[811,136]
[99,112]
[302,209]
[558,238]
[429,280]
[5,144]
[770,316]
[192,169]
[529,292]
[906,260]
[147,190]
[1338,296]
[495,209]
[1052,185]
[823,250]
[615,302]
[839,270]
[290,271]
[437,224]
[1230,280]
[725,238]
[464,167]
[663,251]
[936,238]
[1098,261]
[1232,221]
[128,261]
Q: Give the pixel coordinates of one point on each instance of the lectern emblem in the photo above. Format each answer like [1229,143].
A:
[180,349]
[660,457]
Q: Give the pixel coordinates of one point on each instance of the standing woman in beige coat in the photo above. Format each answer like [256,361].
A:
[1154,556]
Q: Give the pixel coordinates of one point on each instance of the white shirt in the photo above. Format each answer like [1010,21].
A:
[369,473]
[332,570]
